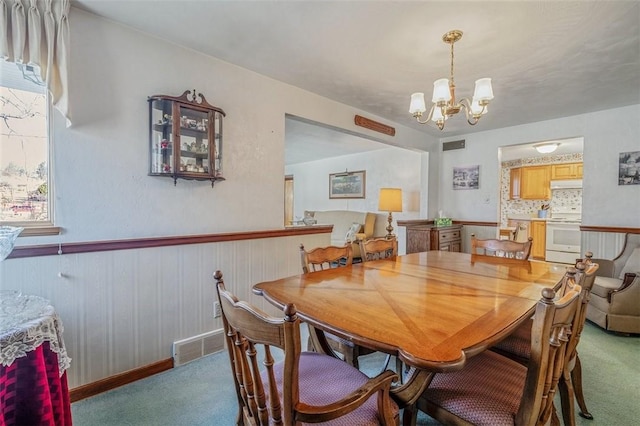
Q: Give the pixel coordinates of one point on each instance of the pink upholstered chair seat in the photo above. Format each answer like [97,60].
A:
[486,392]
[317,387]
[518,343]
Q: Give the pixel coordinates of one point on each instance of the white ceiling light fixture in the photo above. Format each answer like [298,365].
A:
[547,147]
[444,96]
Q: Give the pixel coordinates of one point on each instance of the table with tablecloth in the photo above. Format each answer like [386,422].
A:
[33,363]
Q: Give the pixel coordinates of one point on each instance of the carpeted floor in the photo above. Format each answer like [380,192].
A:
[202,392]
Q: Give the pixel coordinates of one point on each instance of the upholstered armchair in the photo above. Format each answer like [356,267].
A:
[615,296]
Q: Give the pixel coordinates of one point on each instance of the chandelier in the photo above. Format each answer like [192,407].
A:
[444,96]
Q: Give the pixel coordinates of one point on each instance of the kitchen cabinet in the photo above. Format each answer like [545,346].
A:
[538,231]
[514,183]
[535,183]
[185,137]
[566,171]
[429,237]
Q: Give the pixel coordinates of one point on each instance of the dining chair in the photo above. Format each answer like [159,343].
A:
[304,387]
[319,259]
[492,389]
[378,248]
[517,346]
[501,248]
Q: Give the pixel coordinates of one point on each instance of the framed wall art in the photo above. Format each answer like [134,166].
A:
[347,184]
[629,168]
[467,177]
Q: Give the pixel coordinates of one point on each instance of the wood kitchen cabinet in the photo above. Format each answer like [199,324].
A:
[428,237]
[538,231]
[535,183]
[514,183]
[566,171]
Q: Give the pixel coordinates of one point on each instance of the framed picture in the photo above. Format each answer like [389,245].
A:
[466,177]
[629,168]
[347,184]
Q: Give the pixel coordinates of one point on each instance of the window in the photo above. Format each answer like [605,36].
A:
[24,148]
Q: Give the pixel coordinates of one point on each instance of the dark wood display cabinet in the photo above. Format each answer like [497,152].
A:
[425,237]
[185,137]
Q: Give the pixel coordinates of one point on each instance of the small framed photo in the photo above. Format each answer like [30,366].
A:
[629,168]
[347,184]
[467,177]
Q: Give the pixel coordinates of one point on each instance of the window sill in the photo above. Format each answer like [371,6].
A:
[37,230]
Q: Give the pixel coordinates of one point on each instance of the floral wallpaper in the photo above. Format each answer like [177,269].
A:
[559,198]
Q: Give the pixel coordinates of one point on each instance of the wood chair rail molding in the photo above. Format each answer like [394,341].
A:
[139,243]
[583,228]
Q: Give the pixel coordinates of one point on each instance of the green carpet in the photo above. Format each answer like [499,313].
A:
[202,392]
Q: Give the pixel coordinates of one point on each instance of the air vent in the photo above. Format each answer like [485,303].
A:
[195,347]
[450,146]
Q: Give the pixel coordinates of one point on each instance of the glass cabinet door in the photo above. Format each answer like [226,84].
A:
[194,142]
[162,159]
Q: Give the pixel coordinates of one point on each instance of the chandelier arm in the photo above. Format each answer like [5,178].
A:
[426,120]
[466,106]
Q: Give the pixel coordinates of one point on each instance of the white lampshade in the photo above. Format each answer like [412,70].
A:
[546,148]
[437,114]
[476,109]
[441,92]
[390,200]
[417,103]
[483,90]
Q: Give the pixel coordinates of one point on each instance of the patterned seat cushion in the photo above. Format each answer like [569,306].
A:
[324,379]
[519,342]
[486,392]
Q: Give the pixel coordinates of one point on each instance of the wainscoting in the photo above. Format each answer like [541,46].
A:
[122,309]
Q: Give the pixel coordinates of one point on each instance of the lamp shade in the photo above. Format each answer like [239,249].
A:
[417,103]
[441,91]
[390,200]
[483,91]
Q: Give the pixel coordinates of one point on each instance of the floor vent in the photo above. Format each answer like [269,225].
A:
[449,146]
[192,348]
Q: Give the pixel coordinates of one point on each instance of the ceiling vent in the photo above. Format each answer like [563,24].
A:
[449,146]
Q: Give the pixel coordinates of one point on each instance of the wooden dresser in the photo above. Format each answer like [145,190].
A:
[422,237]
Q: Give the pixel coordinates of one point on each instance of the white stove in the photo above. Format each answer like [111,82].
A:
[563,235]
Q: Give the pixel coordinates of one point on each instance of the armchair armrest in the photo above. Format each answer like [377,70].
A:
[606,267]
[626,282]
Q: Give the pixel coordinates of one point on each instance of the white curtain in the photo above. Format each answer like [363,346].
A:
[36,32]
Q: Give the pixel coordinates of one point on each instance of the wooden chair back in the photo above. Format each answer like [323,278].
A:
[378,248]
[552,324]
[321,258]
[269,393]
[501,248]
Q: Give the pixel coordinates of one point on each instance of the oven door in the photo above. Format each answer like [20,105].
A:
[563,237]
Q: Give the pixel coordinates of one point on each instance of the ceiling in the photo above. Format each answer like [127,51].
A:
[546,59]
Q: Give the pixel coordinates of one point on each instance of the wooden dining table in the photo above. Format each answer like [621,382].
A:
[432,310]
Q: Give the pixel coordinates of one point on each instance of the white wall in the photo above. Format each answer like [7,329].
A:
[606,134]
[121,309]
[392,167]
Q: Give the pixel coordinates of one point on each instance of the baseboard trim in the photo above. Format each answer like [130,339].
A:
[95,388]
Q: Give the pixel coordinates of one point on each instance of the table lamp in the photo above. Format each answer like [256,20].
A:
[390,200]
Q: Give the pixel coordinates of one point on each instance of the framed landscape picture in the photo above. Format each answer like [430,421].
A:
[466,177]
[629,168]
[347,184]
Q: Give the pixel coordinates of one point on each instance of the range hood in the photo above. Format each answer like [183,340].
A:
[566,184]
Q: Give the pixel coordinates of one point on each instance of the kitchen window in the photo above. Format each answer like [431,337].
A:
[25,150]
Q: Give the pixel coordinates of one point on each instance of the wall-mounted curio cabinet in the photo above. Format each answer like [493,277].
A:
[185,137]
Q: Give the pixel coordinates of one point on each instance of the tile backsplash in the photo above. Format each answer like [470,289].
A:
[559,197]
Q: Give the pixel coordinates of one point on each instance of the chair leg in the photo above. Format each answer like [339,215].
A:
[566,399]
[576,380]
